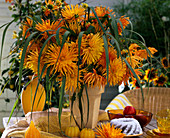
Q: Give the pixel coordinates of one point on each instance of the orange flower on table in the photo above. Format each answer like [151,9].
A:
[150,74]
[165,63]
[124,21]
[32,131]
[108,131]
[161,80]
[64,62]
[26,25]
[73,13]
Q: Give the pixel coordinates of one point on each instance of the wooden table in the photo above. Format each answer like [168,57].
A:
[152,125]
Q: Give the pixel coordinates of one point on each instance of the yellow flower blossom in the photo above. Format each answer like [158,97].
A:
[74,13]
[85,5]
[93,50]
[64,62]
[108,131]
[15,35]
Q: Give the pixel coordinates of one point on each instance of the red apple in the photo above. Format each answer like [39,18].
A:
[129,110]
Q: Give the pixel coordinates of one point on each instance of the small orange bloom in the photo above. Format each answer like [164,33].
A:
[50,27]
[124,21]
[26,25]
[73,13]
[93,79]
[161,80]
[108,131]
[165,62]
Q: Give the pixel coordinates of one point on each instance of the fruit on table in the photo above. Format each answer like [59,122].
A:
[129,110]
[87,133]
[32,131]
[72,131]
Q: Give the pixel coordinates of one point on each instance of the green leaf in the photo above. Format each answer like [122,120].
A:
[144,43]
[107,56]
[71,31]
[64,39]
[40,54]
[90,29]
[23,57]
[43,70]
[132,70]
[57,36]
[80,106]
[3,38]
[101,25]
[114,26]
[62,44]
[48,89]
[79,47]
[13,108]
[117,46]
[73,99]
[61,99]
[87,102]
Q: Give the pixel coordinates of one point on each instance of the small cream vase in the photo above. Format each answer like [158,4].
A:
[94,95]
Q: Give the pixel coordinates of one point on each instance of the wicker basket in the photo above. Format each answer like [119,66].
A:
[155,99]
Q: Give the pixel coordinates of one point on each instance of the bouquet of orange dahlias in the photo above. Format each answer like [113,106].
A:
[84,45]
[77,46]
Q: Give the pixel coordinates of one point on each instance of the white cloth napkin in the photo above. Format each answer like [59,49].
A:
[18,126]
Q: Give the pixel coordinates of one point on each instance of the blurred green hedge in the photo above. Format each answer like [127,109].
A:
[151,19]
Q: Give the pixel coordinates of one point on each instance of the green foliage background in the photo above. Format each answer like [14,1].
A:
[151,19]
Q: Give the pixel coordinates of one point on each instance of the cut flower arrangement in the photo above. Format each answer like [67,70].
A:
[74,47]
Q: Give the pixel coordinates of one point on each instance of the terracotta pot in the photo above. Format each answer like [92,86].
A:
[94,95]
